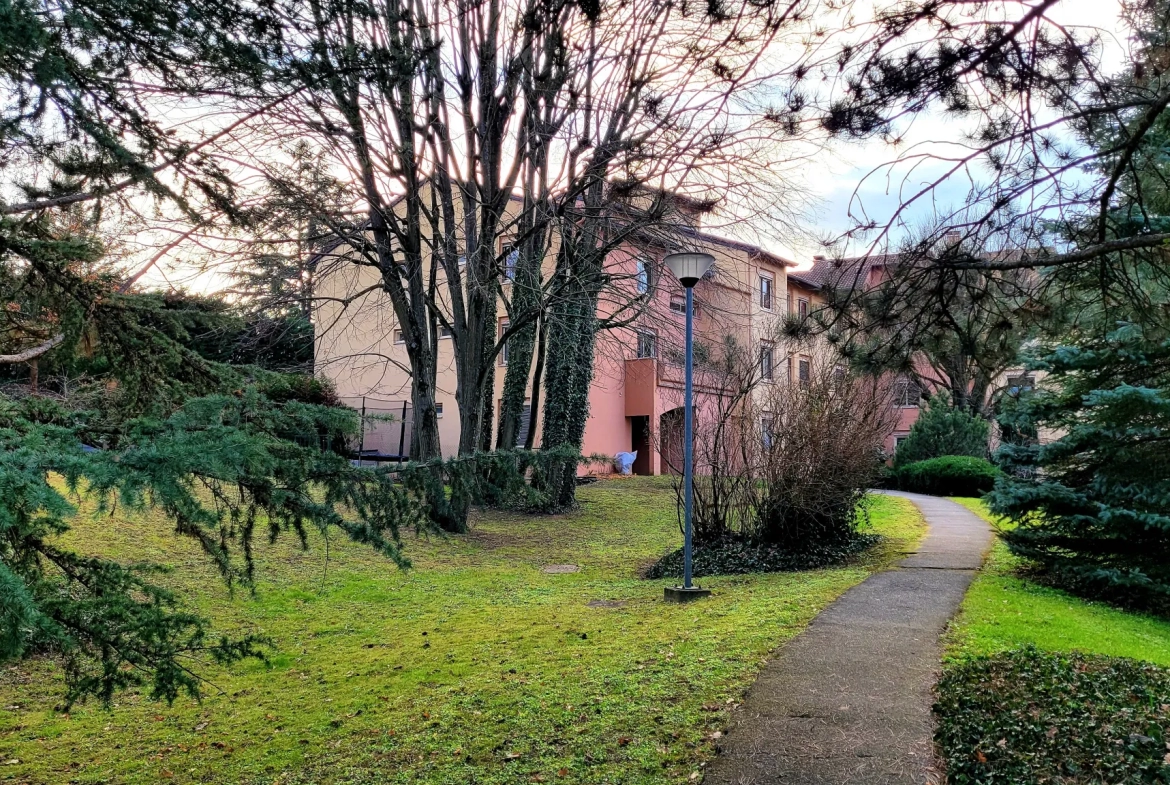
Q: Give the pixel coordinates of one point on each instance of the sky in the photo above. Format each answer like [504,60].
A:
[839,179]
[836,178]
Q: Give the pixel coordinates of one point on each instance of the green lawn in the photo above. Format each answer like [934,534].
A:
[1002,611]
[474,666]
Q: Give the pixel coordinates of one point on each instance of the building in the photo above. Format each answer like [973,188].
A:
[868,272]
[635,400]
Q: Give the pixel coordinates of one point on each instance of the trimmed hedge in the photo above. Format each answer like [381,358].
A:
[950,475]
[1031,716]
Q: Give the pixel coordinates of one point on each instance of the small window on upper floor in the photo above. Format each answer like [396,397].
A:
[802,308]
[503,355]
[804,371]
[647,344]
[439,410]
[766,292]
[767,361]
[445,331]
[643,276]
[399,336]
[907,393]
[511,259]
[678,304]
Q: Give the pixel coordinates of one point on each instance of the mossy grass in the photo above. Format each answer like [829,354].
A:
[473,666]
[1005,610]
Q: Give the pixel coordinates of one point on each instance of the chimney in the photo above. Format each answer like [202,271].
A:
[952,238]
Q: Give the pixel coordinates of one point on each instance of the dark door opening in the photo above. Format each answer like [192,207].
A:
[640,443]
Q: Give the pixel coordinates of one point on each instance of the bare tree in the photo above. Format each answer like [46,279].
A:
[482,136]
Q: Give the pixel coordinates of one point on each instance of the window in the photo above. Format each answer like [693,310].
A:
[802,308]
[525,421]
[838,376]
[438,410]
[907,393]
[445,331]
[767,361]
[503,356]
[766,292]
[647,344]
[788,368]
[678,304]
[511,258]
[399,336]
[462,260]
[767,430]
[804,369]
[643,277]
[1018,385]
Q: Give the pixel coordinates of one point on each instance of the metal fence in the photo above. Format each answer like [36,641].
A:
[385,432]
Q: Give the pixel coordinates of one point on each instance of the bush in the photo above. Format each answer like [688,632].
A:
[951,475]
[940,430]
[1031,716]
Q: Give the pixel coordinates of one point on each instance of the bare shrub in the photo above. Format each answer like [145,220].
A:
[818,452]
[783,463]
[724,459]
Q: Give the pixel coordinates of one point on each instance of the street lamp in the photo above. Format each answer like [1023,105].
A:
[688,268]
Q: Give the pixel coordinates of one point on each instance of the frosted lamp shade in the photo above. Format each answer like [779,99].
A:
[688,268]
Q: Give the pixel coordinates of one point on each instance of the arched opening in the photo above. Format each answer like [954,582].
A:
[670,447]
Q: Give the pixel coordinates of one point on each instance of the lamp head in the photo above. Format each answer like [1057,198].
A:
[689,267]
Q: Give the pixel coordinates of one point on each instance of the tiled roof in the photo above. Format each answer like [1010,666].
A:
[841,273]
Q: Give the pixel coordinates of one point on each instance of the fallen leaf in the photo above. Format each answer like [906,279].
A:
[623,741]
[563,773]
[166,775]
[979,756]
[512,756]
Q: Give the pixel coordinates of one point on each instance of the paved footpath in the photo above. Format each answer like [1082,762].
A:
[848,700]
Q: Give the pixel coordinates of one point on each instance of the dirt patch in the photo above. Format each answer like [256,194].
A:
[560,569]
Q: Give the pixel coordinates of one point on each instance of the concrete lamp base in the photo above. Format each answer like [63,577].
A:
[680,594]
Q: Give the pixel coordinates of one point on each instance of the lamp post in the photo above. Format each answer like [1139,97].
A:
[688,268]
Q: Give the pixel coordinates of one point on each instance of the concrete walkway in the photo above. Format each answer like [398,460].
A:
[848,700]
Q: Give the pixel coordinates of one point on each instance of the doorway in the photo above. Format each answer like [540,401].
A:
[640,443]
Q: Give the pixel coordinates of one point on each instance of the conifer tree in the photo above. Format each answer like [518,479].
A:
[943,429]
[1093,505]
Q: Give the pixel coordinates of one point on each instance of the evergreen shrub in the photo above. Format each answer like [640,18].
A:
[941,429]
[950,475]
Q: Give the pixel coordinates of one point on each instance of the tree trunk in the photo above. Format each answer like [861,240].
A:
[572,329]
[537,377]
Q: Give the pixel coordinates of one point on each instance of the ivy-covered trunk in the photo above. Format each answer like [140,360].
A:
[572,328]
[526,297]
